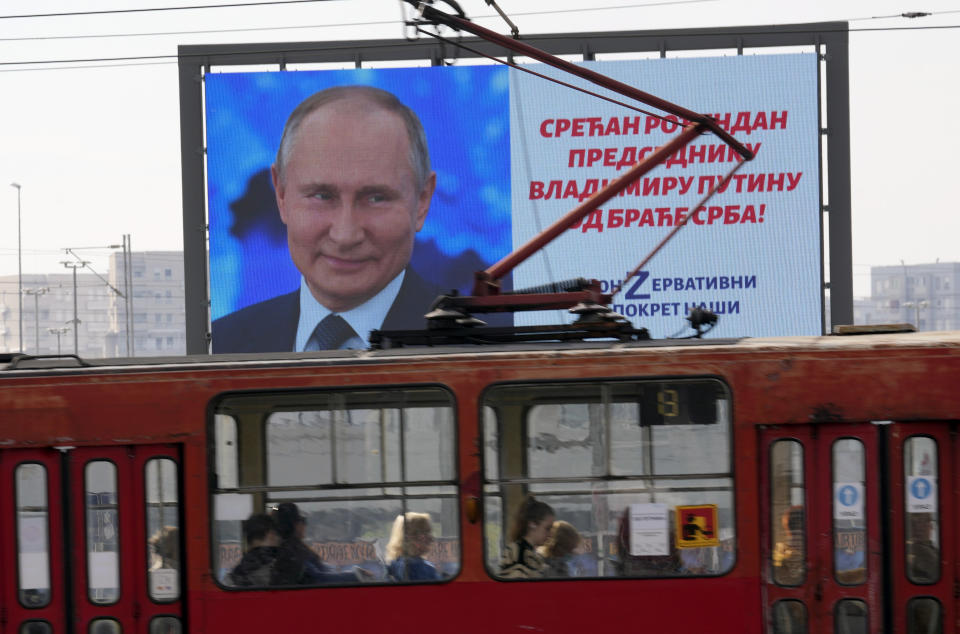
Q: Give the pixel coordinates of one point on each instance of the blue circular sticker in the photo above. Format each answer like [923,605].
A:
[921,488]
[848,495]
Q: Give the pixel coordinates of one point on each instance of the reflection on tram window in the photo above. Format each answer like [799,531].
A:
[163,529]
[165,625]
[922,517]
[33,548]
[924,616]
[850,617]
[788,515]
[104,626]
[789,617]
[334,469]
[849,512]
[35,627]
[103,552]
[641,470]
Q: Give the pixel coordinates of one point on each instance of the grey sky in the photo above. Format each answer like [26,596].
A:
[97,153]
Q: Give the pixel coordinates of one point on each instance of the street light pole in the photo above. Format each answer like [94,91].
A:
[75,321]
[58,331]
[19,267]
[917,305]
[37,292]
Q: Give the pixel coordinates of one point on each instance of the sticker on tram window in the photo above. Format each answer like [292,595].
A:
[697,526]
[649,530]
[921,494]
[164,583]
[848,500]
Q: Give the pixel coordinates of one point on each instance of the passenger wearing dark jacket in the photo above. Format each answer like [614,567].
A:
[260,532]
[296,563]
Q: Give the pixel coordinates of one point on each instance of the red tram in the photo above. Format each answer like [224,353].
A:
[823,467]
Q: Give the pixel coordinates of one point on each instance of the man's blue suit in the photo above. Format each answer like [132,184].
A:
[271,325]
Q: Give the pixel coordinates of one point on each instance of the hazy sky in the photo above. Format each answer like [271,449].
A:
[97,150]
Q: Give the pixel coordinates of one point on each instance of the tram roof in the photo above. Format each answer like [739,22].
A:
[17,364]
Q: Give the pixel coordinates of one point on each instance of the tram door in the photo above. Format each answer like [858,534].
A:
[858,528]
[91,540]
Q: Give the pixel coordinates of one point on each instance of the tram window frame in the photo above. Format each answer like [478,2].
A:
[25,626]
[162,538]
[87,537]
[164,620]
[931,551]
[789,568]
[92,627]
[912,613]
[847,576]
[254,492]
[609,496]
[21,591]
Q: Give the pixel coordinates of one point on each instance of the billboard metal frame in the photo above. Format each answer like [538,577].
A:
[829,39]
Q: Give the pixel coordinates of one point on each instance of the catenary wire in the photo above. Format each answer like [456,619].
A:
[77,62]
[149,9]
[389,22]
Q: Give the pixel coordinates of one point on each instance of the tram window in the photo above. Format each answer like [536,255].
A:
[165,625]
[35,627]
[33,536]
[344,465]
[922,517]
[788,523]
[103,551]
[640,472]
[490,463]
[849,512]
[850,617]
[163,529]
[104,626]
[924,616]
[789,617]
[225,436]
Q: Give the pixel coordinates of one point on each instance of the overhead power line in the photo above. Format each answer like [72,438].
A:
[328,26]
[110,62]
[147,9]
[173,58]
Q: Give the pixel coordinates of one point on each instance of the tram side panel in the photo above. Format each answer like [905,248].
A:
[595,450]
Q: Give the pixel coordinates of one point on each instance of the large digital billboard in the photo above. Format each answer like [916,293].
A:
[512,153]
[752,255]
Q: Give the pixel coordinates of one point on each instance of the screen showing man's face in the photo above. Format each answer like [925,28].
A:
[350,200]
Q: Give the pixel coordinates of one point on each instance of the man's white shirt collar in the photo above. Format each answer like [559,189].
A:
[364,318]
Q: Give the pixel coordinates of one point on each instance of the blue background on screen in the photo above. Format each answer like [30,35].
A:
[465,113]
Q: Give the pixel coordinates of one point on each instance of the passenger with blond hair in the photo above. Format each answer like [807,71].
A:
[410,539]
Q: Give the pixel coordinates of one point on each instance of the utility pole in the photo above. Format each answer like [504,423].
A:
[19,267]
[75,321]
[128,291]
[123,294]
[37,292]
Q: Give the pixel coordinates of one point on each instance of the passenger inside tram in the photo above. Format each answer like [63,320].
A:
[262,537]
[410,540]
[165,549]
[531,527]
[788,549]
[297,563]
[563,544]
[923,555]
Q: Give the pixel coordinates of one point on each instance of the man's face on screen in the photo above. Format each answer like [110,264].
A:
[350,200]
